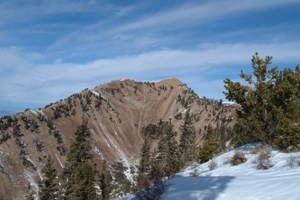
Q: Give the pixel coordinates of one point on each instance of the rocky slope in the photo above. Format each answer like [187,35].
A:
[116,112]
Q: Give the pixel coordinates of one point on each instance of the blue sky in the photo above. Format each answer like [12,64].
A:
[50,49]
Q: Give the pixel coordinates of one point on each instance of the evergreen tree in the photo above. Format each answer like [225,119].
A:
[210,146]
[163,161]
[49,185]
[288,106]
[187,140]
[269,102]
[84,187]
[79,171]
[255,118]
[144,166]
[105,179]
[157,166]
[172,165]
[145,158]
[166,159]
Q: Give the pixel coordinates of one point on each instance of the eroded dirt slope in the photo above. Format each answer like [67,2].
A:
[116,112]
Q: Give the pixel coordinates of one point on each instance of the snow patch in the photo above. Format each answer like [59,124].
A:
[40,174]
[61,165]
[128,174]
[41,112]
[98,152]
[34,112]
[126,197]
[227,103]
[27,157]
[98,190]
[95,93]
[241,181]
[182,110]
[124,160]
[33,184]
[116,133]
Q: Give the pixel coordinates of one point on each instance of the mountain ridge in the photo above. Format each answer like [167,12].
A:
[117,113]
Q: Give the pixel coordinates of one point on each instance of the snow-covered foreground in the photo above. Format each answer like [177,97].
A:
[243,181]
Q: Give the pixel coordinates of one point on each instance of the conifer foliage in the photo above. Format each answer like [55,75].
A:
[210,146]
[164,160]
[79,176]
[79,171]
[105,180]
[49,185]
[269,105]
[187,140]
[143,179]
[168,157]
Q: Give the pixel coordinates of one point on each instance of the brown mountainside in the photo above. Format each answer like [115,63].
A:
[116,112]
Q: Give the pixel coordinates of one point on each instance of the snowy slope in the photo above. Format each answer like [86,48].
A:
[244,181]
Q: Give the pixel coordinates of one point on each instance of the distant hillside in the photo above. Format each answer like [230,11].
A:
[116,112]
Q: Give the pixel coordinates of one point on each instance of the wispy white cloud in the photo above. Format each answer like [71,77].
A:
[195,14]
[16,58]
[42,82]
[147,32]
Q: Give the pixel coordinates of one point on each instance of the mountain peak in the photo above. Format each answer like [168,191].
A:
[117,113]
[171,81]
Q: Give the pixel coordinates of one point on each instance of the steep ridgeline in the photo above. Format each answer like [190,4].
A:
[116,114]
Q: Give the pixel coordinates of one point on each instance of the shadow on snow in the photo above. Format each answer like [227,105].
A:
[200,188]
